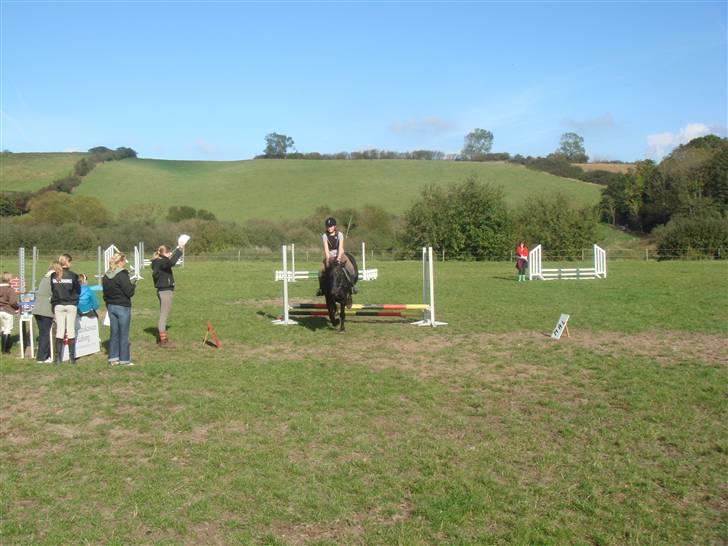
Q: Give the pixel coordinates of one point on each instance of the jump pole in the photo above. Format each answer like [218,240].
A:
[285,320]
[429,319]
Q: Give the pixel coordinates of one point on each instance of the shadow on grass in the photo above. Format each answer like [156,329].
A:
[154,331]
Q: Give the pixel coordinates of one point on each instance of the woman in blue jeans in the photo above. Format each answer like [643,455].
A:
[118,291]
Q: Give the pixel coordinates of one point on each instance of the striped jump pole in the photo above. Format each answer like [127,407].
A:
[368,306]
[323,313]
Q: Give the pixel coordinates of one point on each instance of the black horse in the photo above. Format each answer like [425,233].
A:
[338,285]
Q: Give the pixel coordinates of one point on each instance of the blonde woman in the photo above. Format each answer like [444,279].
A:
[118,291]
[65,290]
[8,307]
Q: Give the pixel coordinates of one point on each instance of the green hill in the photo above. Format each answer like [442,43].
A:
[286,189]
[32,171]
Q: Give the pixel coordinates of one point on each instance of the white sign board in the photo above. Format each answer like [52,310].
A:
[87,337]
[560,327]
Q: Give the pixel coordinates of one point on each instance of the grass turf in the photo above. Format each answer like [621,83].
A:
[482,431]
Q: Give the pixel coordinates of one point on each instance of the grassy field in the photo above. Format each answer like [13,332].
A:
[482,431]
[239,190]
[32,171]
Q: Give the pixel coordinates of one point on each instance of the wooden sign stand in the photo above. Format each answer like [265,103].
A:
[561,327]
[211,334]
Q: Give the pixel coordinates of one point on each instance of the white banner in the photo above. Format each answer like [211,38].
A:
[87,337]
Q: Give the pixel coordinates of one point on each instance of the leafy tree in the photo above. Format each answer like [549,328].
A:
[7,207]
[572,148]
[276,146]
[203,214]
[477,144]
[58,208]
[146,214]
[557,223]
[716,177]
[177,214]
[685,237]
[466,220]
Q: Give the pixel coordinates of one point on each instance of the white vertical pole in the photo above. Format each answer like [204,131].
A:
[428,290]
[363,256]
[21,272]
[98,264]
[293,261]
[35,266]
[432,286]
[424,276]
[285,319]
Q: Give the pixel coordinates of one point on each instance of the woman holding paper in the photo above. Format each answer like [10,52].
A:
[164,260]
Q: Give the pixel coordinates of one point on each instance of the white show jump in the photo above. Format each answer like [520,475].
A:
[428,292]
[135,269]
[293,275]
[537,272]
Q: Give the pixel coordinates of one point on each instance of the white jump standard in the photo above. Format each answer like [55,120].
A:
[381,310]
[536,272]
[293,275]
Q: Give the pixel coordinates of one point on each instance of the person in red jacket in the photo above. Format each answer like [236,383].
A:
[521,261]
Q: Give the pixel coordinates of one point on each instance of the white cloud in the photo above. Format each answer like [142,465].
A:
[661,144]
[204,147]
[428,125]
[603,121]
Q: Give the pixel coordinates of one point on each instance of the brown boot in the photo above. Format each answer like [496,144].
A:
[164,341]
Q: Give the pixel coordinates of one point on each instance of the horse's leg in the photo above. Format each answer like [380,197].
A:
[331,306]
[342,316]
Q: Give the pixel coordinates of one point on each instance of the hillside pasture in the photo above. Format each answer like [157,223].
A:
[609,167]
[482,431]
[289,189]
[32,171]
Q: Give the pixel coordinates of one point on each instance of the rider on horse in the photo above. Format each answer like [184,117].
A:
[333,241]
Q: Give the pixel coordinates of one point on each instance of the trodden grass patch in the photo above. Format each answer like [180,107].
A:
[482,431]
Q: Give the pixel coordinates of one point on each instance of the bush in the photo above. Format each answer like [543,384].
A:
[556,165]
[684,237]
[468,220]
[558,224]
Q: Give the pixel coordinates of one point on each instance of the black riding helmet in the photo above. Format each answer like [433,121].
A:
[330,221]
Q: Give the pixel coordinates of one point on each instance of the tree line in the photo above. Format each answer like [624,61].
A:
[477,147]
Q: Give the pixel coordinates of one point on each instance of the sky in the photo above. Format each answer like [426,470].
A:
[209,80]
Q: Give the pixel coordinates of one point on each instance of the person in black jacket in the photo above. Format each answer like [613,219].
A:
[65,290]
[162,264]
[118,291]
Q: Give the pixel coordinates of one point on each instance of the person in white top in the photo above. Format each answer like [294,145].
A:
[333,246]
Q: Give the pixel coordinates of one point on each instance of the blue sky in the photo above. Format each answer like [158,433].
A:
[193,80]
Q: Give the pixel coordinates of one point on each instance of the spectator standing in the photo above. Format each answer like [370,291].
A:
[162,264]
[521,260]
[118,291]
[65,290]
[8,308]
[43,313]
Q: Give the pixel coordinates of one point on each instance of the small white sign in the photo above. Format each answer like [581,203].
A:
[560,326]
